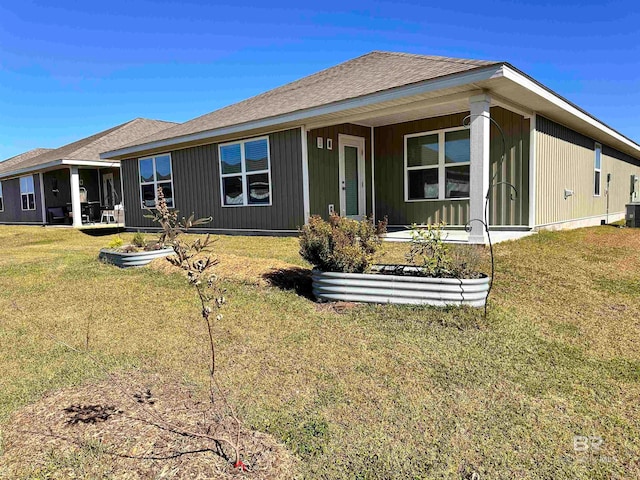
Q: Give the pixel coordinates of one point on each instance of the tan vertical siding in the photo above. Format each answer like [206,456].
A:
[565,160]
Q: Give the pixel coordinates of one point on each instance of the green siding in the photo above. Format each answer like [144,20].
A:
[389,173]
[324,188]
[514,169]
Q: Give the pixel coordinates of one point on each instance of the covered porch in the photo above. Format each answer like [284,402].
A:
[427,161]
[82,196]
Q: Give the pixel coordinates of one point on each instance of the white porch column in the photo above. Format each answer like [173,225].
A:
[306,202]
[75,197]
[479,169]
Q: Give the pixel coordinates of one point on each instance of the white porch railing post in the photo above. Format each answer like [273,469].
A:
[75,197]
[479,169]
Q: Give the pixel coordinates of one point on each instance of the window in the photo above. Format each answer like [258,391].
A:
[155,172]
[245,173]
[597,170]
[437,165]
[27,193]
[1,199]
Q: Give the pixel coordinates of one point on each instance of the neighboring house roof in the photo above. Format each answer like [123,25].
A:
[86,150]
[23,157]
[365,86]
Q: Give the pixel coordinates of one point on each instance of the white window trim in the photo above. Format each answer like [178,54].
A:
[155,182]
[243,173]
[2,199]
[596,147]
[27,193]
[440,166]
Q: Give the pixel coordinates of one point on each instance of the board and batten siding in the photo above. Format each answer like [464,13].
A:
[196,185]
[565,160]
[504,211]
[324,174]
[11,197]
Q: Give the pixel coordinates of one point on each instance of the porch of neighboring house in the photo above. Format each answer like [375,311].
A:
[93,192]
[427,162]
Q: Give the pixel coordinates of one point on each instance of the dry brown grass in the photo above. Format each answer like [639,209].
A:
[364,391]
[131,426]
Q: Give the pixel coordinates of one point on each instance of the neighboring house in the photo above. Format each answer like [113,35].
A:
[383,135]
[45,186]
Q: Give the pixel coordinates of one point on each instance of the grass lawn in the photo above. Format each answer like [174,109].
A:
[363,392]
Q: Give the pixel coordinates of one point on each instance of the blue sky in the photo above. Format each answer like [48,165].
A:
[69,69]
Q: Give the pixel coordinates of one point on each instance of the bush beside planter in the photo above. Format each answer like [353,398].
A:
[133,259]
[399,289]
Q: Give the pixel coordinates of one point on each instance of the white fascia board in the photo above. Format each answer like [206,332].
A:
[547,94]
[450,81]
[92,163]
[57,163]
[35,168]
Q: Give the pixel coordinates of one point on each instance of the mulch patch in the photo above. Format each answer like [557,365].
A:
[133,426]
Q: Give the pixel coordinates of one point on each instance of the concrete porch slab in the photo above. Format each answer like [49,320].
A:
[460,236]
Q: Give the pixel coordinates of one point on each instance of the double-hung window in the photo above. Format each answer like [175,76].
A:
[245,173]
[1,199]
[155,172]
[27,193]
[597,170]
[437,165]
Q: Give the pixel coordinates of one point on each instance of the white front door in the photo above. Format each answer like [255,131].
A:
[107,190]
[352,178]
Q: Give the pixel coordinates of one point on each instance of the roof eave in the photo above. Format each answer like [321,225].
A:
[58,163]
[513,74]
[300,116]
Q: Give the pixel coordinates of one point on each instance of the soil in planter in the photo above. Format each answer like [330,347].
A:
[112,429]
[413,271]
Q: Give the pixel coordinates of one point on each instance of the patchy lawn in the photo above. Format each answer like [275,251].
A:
[362,392]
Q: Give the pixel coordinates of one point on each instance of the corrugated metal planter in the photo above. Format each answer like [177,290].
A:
[399,289]
[133,259]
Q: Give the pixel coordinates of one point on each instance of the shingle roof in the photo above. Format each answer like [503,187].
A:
[24,156]
[370,73]
[88,148]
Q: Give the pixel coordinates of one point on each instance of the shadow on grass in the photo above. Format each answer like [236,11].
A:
[101,232]
[295,279]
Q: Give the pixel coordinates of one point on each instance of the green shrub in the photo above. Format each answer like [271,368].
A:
[436,258]
[115,243]
[138,240]
[341,244]
[428,250]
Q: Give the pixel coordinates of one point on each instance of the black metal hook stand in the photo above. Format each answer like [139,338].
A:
[466,122]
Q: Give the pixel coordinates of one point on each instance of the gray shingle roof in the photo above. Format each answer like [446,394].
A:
[24,157]
[88,148]
[370,73]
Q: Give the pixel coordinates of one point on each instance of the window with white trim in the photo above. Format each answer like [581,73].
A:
[437,165]
[27,193]
[245,173]
[155,172]
[1,199]
[597,170]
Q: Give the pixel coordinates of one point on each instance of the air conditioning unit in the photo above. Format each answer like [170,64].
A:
[633,215]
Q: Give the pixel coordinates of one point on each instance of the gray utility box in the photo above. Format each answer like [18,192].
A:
[633,215]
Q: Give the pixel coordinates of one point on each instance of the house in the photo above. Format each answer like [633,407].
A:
[46,186]
[412,138]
